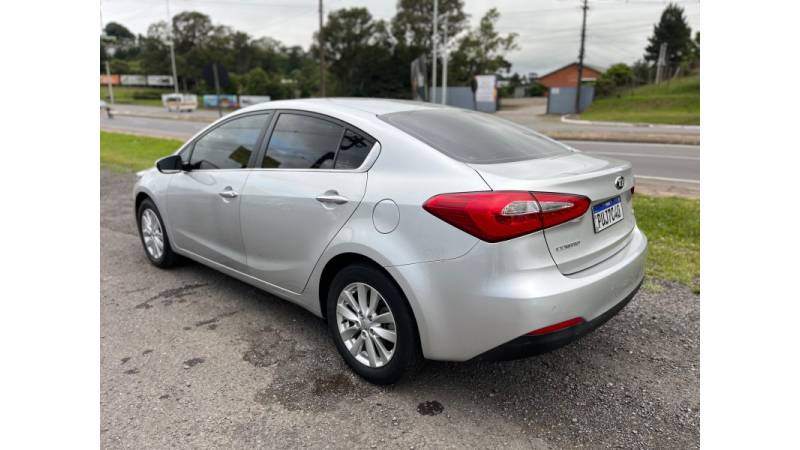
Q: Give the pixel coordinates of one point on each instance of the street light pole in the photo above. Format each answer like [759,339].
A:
[444,64]
[172,49]
[435,47]
[321,53]
[108,81]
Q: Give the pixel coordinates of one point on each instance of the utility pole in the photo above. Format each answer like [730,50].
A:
[216,88]
[172,49]
[662,61]
[444,64]
[108,81]
[435,47]
[109,55]
[580,60]
[321,53]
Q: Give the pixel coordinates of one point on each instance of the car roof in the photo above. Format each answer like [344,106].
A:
[377,106]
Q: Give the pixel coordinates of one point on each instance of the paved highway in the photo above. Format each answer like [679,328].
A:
[663,163]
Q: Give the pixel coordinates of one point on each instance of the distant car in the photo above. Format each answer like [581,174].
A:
[179,102]
[415,230]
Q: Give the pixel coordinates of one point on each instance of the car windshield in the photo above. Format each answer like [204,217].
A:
[474,137]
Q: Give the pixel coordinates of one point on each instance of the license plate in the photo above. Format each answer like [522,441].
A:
[607,213]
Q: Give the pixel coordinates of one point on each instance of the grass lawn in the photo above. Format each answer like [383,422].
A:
[676,102]
[672,224]
[149,96]
[127,152]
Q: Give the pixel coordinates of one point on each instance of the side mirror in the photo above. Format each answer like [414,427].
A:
[170,164]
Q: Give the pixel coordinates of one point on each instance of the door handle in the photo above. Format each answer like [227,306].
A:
[332,197]
[229,193]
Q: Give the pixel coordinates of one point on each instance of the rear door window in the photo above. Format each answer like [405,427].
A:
[474,137]
[300,141]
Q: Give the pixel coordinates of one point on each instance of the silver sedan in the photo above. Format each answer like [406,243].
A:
[416,231]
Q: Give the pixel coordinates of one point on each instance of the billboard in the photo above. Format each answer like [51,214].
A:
[104,79]
[485,88]
[247,100]
[133,80]
[225,100]
[159,80]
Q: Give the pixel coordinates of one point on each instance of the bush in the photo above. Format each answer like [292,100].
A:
[536,90]
[616,77]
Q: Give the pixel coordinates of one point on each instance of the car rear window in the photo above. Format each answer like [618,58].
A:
[474,137]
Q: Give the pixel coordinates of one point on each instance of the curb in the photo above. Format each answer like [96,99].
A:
[566,119]
[185,118]
[667,139]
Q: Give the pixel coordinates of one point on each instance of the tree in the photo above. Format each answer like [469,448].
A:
[672,29]
[118,31]
[693,55]
[482,50]
[616,77]
[360,51]
[258,82]
[642,72]
[412,25]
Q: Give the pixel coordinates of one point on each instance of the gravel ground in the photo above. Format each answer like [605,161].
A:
[193,358]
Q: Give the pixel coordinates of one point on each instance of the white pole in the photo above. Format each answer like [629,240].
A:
[435,47]
[172,49]
[108,80]
[444,64]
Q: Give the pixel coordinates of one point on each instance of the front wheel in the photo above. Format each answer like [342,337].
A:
[153,234]
[371,324]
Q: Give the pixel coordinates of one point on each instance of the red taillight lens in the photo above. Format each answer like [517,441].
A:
[557,327]
[495,216]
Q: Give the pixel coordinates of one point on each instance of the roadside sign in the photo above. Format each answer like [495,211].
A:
[247,100]
[133,80]
[224,101]
[159,80]
[485,88]
[104,79]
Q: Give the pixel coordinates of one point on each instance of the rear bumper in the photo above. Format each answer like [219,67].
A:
[496,293]
[525,346]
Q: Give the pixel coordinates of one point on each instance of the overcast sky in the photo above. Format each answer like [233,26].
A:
[549,30]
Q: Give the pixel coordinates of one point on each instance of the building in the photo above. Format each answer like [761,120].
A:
[567,76]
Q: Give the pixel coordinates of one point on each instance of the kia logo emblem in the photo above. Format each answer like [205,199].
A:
[619,182]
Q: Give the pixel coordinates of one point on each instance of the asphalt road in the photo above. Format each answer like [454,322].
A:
[191,358]
[672,164]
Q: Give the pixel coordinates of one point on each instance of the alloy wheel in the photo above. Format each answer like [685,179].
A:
[152,234]
[366,325]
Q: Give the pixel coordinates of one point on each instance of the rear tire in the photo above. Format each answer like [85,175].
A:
[389,318]
[153,235]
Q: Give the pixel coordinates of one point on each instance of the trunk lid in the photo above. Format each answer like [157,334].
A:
[574,245]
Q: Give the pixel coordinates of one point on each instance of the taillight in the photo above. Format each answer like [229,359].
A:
[495,216]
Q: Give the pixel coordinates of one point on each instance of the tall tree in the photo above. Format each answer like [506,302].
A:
[675,31]
[412,25]
[482,50]
[360,49]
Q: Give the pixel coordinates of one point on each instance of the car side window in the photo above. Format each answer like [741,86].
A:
[228,146]
[302,142]
[353,149]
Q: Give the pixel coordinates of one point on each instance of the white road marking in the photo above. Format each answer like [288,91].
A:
[643,155]
[674,180]
[637,144]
